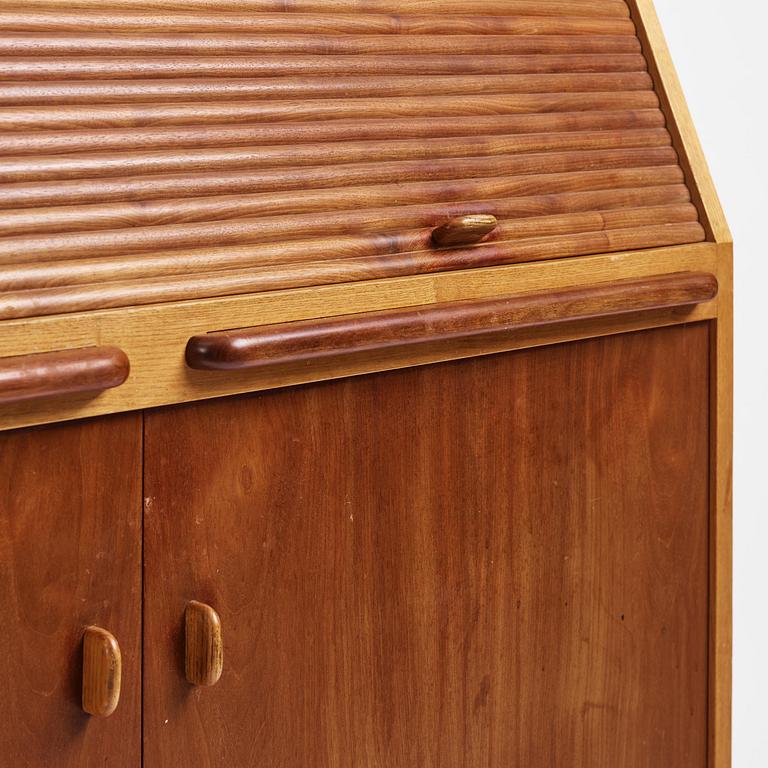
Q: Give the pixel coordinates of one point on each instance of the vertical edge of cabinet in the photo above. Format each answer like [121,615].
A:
[694,164]
[721,519]
[679,121]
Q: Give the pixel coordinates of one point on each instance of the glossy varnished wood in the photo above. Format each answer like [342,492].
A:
[309,341]
[464,230]
[607,228]
[607,50]
[154,337]
[614,9]
[70,558]
[494,562]
[102,672]
[56,374]
[133,129]
[203,644]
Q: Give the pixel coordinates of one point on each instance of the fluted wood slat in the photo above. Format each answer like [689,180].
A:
[280,239]
[578,167]
[169,67]
[533,46]
[73,299]
[401,240]
[88,167]
[609,8]
[124,92]
[311,23]
[187,137]
[433,195]
[64,117]
[159,150]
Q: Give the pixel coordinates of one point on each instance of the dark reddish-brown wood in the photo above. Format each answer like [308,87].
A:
[499,562]
[309,340]
[53,374]
[70,558]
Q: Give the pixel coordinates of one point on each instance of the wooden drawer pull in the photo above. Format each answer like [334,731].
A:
[204,649]
[48,374]
[307,340]
[102,672]
[464,230]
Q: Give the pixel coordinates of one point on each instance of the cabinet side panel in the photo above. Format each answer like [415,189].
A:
[70,557]
[495,562]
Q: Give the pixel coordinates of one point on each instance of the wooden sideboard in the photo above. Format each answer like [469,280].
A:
[365,389]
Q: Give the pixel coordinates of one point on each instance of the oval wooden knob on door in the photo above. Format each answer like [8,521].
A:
[102,672]
[464,230]
[204,648]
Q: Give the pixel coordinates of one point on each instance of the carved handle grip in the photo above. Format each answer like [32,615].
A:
[204,649]
[102,672]
[464,230]
[49,374]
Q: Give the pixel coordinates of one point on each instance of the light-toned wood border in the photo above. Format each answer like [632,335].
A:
[721,521]
[155,337]
[703,191]
[679,121]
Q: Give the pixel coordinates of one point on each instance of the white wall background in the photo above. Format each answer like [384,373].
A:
[721,52]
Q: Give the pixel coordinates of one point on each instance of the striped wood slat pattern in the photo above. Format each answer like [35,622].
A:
[158,150]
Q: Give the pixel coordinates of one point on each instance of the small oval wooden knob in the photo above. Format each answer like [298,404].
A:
[204,649]
[102,672]
[464,230]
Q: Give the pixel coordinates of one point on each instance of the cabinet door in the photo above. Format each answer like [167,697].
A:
[70,557]
[493,562]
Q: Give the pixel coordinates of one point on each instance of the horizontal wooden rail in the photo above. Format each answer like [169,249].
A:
[49,374]
[304,341]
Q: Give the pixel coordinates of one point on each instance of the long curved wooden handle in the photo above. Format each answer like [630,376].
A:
[303,341]
[49,374]
[102,672]
[204,647]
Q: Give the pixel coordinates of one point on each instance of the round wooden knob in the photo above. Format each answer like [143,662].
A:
[464,230]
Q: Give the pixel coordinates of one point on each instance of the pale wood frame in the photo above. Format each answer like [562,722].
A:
[700,181]
[154,337]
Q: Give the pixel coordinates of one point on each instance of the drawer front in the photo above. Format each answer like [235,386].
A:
[492,562]
[158,150]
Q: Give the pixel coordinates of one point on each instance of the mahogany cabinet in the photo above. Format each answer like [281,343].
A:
[497,562]
[364,389]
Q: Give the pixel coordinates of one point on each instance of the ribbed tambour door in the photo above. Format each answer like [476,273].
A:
[155,150]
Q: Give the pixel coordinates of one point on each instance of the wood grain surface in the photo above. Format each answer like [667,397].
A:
[57,374]
[495,562]
[203,644]
[464,230]
[369,332]
[135,130]
[102,672]
[154,336]
[70,558]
